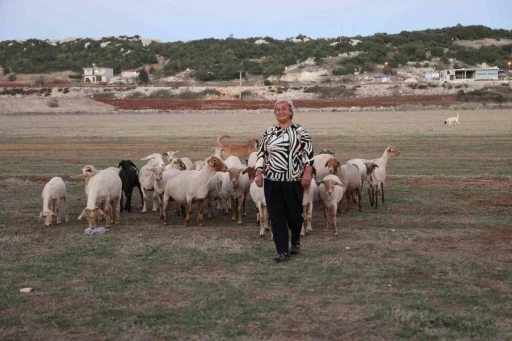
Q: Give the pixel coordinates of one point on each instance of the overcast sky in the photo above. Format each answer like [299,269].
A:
[172,20]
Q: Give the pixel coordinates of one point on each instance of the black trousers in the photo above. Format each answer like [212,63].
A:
[284,204]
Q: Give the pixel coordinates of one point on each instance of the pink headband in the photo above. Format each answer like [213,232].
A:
[289,102]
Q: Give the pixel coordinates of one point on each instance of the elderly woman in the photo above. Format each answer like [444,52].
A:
[284,167]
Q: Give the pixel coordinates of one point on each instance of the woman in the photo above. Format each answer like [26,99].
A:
[284,166]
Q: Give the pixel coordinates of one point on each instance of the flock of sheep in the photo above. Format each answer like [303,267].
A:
[221,180]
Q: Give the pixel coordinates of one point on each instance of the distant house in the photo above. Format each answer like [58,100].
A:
[382,79]
[470,74]
[130,73]
[97,74]
[432,75]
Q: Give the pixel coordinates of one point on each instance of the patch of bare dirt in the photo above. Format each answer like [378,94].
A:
[477,43]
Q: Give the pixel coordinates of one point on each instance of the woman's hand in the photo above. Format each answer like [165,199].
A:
[259,178]
[306,177]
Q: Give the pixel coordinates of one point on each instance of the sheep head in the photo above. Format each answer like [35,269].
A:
[154,159]
[157,173]
[370,167]
[48,217]
[216,164]
[330,185]
[333,165]
[178,164]
[198,165]
[234,175]
[251,172]
[91,214]
[393,151]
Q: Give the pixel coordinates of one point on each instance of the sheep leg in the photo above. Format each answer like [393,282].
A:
[349,201]
[326,225]
[140,191]
[240,208]
[309,216]
[209,203]
[303,230]
[189,212]
[122,200]
[200,212]
[66,211]
[377,193]
[128,206]
[116,210]
[107,211]
[382,188]
[360,198]
[258,214]
[262,220]
[183,213]
[57,210]
[155,202]
[177,210]
[370,196]
[166,208]
[243,206]
[144,200]
[333,219]
[234,201]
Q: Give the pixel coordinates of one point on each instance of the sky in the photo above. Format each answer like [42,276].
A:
[174,20]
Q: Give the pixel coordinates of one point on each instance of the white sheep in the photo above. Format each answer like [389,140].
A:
[320,162]
[350,177]
[330,191]
[233,161]
[236,185]
[53,192]
[258,196]
[253,157]
[105,190]
[310,193]
[452,120]
[377,178]
[188,186]
[146,179]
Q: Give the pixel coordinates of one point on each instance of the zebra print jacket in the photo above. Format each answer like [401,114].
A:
[283,153]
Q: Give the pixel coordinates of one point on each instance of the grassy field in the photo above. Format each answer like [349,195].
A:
[433,263]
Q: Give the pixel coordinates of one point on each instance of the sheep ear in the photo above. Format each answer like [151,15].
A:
[145,158]
[81,215]
[41,215]
[165,154]
[100,211]
[327,163]
[211,162]
[245,170]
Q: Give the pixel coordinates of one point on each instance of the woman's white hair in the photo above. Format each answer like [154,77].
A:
[290,105]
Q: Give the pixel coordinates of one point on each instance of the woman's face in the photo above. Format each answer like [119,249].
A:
[283,113]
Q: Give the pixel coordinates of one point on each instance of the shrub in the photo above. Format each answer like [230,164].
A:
[266,82]
[482,95]
[75,76]
[330,92]
[6,70]
[12,78]
[66,90]
[40,81]
[53,103]
[247,94]
[422,86]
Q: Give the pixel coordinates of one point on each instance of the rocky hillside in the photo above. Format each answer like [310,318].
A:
[221,59]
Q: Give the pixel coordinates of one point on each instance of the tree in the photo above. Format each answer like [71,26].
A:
[143,76]
[6,70]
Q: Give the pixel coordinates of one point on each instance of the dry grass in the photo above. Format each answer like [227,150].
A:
[432,263]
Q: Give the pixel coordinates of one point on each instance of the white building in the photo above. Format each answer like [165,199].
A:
[96,74]
[382,79]
[470,74]
[130,73]
[432,75]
